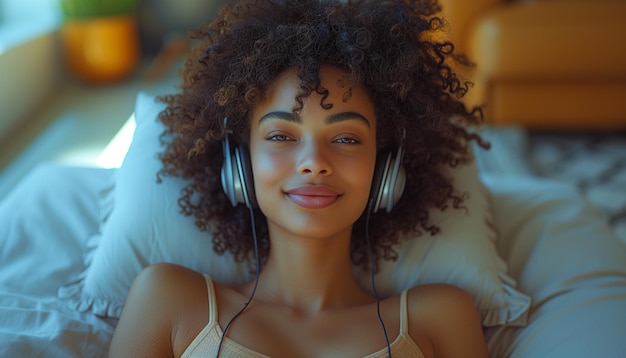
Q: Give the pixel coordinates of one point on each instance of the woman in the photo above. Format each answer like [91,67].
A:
[314,93]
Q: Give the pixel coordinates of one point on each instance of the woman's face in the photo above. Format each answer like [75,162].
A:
[313,170]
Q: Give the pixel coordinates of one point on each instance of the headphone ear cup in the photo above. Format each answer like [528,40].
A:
[394,186]
[389,180]
[237,179]
[228,172]
[236,175]
[245,188]
[382,164]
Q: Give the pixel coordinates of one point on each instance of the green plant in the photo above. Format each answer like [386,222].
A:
[96,8]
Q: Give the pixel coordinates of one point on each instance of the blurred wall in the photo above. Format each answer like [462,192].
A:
[30,72]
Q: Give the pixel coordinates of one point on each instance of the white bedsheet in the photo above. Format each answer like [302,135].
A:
[36,326]
[595,163]
[44,224]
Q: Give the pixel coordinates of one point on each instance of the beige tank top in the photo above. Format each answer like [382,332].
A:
[207,341]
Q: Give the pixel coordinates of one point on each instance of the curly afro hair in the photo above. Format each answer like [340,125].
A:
[391,47]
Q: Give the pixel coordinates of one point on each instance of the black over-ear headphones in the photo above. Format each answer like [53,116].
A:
[387,184]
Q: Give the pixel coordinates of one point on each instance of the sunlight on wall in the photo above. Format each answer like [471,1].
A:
[113,155]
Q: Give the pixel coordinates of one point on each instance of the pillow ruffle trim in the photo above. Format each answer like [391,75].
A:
[80,301]
[72,292]
[516,311]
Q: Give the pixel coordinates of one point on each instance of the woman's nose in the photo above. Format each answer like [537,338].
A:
[314,160]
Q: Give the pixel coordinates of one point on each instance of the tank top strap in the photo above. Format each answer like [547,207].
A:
[404,313]
[211,299]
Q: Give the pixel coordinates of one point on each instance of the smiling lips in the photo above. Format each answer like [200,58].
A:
[313,196]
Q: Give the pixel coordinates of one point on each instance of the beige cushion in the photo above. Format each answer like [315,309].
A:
[545,40]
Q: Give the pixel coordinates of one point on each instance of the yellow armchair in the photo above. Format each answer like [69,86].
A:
[545,64]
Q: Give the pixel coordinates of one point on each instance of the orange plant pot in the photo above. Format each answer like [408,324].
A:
[101,50]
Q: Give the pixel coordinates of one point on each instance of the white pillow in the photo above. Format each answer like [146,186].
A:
[146,227]
[565,256]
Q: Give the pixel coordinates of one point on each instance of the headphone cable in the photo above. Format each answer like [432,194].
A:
[373,271]
[256,283]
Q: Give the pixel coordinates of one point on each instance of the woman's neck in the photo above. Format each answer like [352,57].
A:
[310,275]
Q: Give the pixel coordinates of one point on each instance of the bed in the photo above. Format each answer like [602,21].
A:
[541,245]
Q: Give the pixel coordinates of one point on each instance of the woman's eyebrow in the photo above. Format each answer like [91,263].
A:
[345,116]
[287,116]
[333,118]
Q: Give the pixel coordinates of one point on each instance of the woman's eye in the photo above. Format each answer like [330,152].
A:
[347,140]
[279,138]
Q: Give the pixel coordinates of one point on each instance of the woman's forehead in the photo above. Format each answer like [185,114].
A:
[288,86]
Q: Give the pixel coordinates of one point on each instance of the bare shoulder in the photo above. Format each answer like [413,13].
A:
[165,283]
[448,317]
[164,308]
[441,296]
[165,275]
